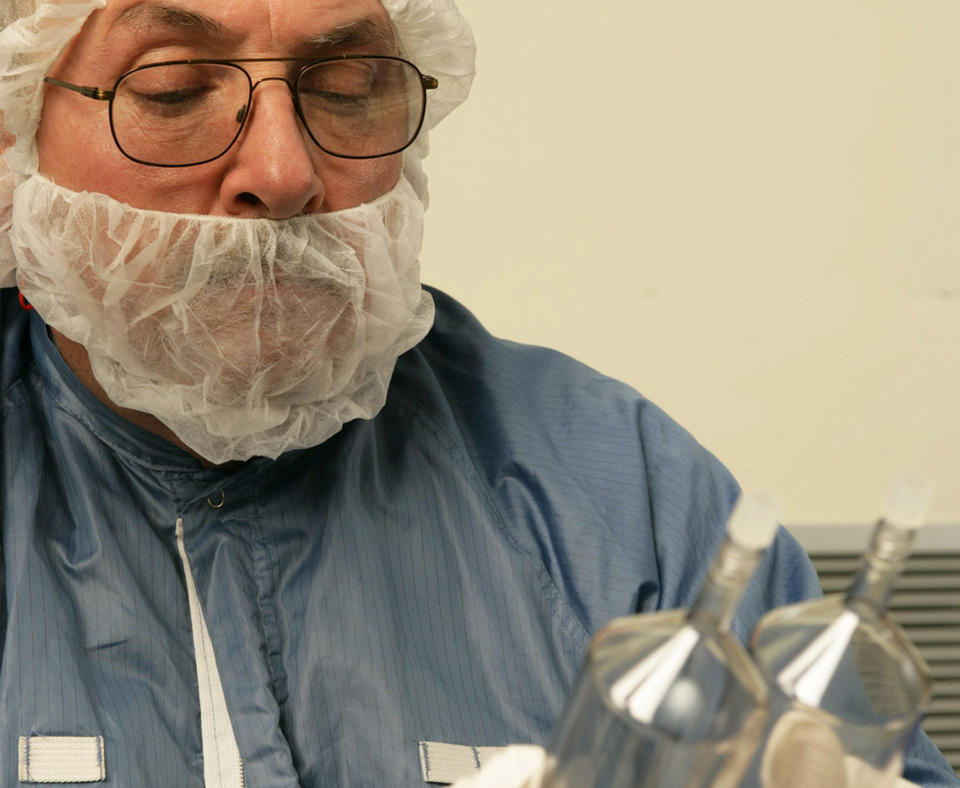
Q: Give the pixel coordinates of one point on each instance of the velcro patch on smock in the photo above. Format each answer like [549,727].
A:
[62,759]
[446,763]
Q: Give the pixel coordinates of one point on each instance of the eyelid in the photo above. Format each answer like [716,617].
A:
[154,57]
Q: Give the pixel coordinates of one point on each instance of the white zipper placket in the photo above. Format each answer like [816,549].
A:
[222,765]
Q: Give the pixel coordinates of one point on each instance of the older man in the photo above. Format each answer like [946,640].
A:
[272,513]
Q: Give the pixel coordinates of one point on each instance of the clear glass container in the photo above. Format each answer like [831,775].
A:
[848,689]
[667,699]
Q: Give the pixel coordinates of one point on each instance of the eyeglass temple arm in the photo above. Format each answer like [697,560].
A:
[94,93]
[429,83]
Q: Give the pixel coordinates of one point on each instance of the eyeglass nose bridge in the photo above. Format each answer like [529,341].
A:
[244,112]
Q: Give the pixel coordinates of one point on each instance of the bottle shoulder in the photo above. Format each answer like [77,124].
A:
[670,673]
[791,629]
[849,659]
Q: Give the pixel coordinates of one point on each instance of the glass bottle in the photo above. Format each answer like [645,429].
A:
[848,689]
[671,698]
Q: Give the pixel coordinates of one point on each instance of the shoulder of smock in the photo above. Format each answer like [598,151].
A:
[14,340]
[621,505]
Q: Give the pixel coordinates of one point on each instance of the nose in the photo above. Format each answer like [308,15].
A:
[272,167]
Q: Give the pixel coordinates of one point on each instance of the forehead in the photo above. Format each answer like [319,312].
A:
[278,25]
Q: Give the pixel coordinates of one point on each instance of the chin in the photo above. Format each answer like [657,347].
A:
[287,336]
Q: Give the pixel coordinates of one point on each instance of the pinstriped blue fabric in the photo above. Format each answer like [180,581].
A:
[432,574]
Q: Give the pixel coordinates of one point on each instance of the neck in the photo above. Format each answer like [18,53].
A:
[76,357]
[881,566]
[726,580]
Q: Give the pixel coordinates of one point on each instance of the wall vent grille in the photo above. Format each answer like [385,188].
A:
[926,603]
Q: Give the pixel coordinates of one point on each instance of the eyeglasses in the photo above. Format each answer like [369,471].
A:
[188,112]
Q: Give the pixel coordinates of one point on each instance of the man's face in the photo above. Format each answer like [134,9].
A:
[274,170]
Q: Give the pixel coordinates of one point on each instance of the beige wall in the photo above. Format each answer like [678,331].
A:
[746,209]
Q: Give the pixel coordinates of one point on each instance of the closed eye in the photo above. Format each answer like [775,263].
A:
[180,96]
[336,102]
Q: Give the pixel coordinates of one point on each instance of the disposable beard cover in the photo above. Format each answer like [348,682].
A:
[244,336]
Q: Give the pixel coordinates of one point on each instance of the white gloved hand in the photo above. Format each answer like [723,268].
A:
[522,766]
[518,766]
[804,750]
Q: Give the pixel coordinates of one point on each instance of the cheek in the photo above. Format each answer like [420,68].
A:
[349,182]
[72,143]
[77,151]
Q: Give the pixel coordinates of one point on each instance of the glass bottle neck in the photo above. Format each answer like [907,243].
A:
[716,603]
[881,566]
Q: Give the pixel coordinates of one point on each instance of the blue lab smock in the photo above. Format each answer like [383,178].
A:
[433,574]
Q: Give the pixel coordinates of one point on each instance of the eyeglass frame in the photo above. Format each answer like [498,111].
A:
[426,83]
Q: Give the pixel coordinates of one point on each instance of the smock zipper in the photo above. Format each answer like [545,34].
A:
[222,765]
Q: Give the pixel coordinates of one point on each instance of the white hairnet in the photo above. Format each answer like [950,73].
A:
[433,34]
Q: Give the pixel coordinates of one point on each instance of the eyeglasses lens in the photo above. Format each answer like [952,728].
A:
[362,107]
[186,114]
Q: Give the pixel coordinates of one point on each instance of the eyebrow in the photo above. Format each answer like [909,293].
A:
[179,19]
[193,24]
[363,32]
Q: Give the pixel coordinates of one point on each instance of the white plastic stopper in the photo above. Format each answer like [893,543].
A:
[754,520]
[908,501]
